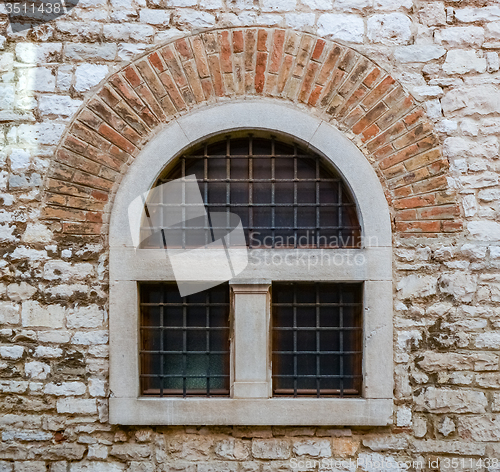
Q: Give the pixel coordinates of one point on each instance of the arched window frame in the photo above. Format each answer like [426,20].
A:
[251,402]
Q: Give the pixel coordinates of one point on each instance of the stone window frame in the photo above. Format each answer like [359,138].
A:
[250,402]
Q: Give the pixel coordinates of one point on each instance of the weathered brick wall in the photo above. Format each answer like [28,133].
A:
[61,163]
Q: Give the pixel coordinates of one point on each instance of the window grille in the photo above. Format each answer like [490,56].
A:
[285,196]
[184,341]
[317,339]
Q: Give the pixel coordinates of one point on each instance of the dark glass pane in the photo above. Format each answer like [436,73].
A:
[283,192]
[322,353]
[330,212]
[239,167]
[306,316]
[185,333]
[239,192]
[261,146]
[306,340]
[151,316]
[172,340]
[306,294]
[196,340]
[217,192]
[239,147]
[218,340]
[218,149]
[283,316]
[261,218]
[151,339]
[261,168]
[262,192]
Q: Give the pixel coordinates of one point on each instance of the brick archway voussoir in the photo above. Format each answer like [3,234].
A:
[336,82]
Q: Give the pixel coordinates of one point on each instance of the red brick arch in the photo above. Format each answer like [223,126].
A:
[335,82]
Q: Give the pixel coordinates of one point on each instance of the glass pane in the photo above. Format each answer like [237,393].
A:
[189,340]
[328,203]
[321,351]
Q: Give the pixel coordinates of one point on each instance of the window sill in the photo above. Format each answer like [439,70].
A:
[251,412]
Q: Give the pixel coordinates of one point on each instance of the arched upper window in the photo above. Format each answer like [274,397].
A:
[285,196]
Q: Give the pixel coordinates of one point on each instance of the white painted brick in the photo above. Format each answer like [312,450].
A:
[470,15]
[53,336]
[352,5]
[313,448]
[279,5]
[13,386]
[391,5]
[484,230]
[493,62]
[318,4]
[457,147]
[41,133]
[20,292]
[65,271]
[97,451]
[433,14]
[300,20]
[88,52]
[91,466]
[187,18]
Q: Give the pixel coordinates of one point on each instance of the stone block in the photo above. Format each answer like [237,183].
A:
[233,449]
[389,29]
[462,61]
[85,317]
[270,449]
[445,400]
[312,448]
[77,406]
[35,314]
[89,75]
[344,27]
[460,37]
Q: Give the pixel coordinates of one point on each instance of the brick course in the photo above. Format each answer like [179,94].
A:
[343,87]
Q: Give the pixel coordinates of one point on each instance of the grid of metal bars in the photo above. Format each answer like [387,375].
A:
[284,195]
[184,341]
[317,339]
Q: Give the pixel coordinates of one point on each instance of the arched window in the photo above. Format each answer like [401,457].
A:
[286,197]
[307,320]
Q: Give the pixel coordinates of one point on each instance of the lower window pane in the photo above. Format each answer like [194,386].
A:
[317,339]
[185,345]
